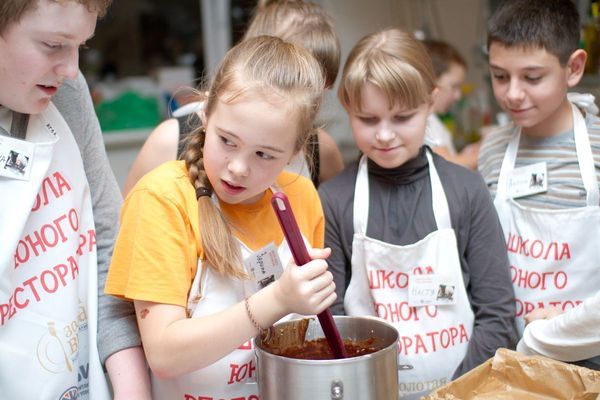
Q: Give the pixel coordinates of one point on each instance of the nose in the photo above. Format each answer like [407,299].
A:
[457,94]
[385,134]
[69,65]
[514,91]
[238,167]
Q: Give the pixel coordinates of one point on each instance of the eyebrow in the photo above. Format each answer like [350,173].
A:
[532,68]
[68,36]
[275,149]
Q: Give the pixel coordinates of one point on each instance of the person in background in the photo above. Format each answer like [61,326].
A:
[543,169]
[296,21]
[403,220]
[59,216]
[307,24]
[450,69]
[570,336]
[193,230]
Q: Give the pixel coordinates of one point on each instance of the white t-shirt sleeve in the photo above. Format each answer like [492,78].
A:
[572,336]
[437,135]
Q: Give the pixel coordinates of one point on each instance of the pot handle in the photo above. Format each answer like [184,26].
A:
[337,390]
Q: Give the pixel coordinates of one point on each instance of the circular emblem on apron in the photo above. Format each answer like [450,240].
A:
[69,394]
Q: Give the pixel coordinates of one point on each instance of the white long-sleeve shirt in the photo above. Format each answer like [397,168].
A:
[572,336]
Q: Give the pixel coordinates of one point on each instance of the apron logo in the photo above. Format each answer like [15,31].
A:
[422,386]
[240,373]
[52,188]
[51,352]
[69,394]
[434,341]
[536,249]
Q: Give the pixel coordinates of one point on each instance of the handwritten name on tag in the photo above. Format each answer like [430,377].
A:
[528,180]
[264,266]
[431,289]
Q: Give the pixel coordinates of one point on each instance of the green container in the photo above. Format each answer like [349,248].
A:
[128,111]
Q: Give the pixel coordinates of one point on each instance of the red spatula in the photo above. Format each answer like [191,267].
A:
[294,239]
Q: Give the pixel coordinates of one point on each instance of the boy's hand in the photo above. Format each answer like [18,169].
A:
[542,313]
[307,289]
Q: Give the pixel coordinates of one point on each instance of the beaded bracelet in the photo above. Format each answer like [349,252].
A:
[265,334]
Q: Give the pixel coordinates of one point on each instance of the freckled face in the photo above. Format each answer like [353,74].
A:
[248,143]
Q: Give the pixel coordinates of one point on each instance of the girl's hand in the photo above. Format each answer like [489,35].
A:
[307,289]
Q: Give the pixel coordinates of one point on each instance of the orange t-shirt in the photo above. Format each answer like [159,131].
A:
[158,246]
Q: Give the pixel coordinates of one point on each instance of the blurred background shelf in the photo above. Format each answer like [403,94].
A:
[122,148]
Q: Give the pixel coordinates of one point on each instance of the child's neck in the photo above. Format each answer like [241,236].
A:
[559,122]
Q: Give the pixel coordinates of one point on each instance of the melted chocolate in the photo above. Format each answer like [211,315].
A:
[319,349]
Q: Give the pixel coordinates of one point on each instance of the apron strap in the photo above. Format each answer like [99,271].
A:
[508,163]
[18,127]
[4,132]
[585,158]
[19,124]
[361,197]
[441,212]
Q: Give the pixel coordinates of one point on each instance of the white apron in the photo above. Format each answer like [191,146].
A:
[48,272]
[233,377]
[554,254]
[433,339]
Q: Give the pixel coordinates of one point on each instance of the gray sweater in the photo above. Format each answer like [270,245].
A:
[400,213]
[117,328]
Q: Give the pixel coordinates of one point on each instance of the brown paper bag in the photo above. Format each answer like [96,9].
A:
[512,375]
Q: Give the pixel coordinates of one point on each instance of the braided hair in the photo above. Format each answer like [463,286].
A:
[259,67]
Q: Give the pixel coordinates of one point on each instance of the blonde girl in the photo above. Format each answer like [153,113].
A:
[192,229]
[300,22]
[402,212]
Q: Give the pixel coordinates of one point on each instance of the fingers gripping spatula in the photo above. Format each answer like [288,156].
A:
[292,234]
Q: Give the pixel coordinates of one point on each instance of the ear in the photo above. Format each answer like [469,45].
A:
[576,67]
[202,116]
[434,95]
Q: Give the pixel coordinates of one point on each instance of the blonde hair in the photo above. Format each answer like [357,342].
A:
[257,68]
[11,11]
[395,62]
[300,22]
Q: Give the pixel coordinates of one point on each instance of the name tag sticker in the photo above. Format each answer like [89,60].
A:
[16,158]
[264,266]
[430,290]
[528,180]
